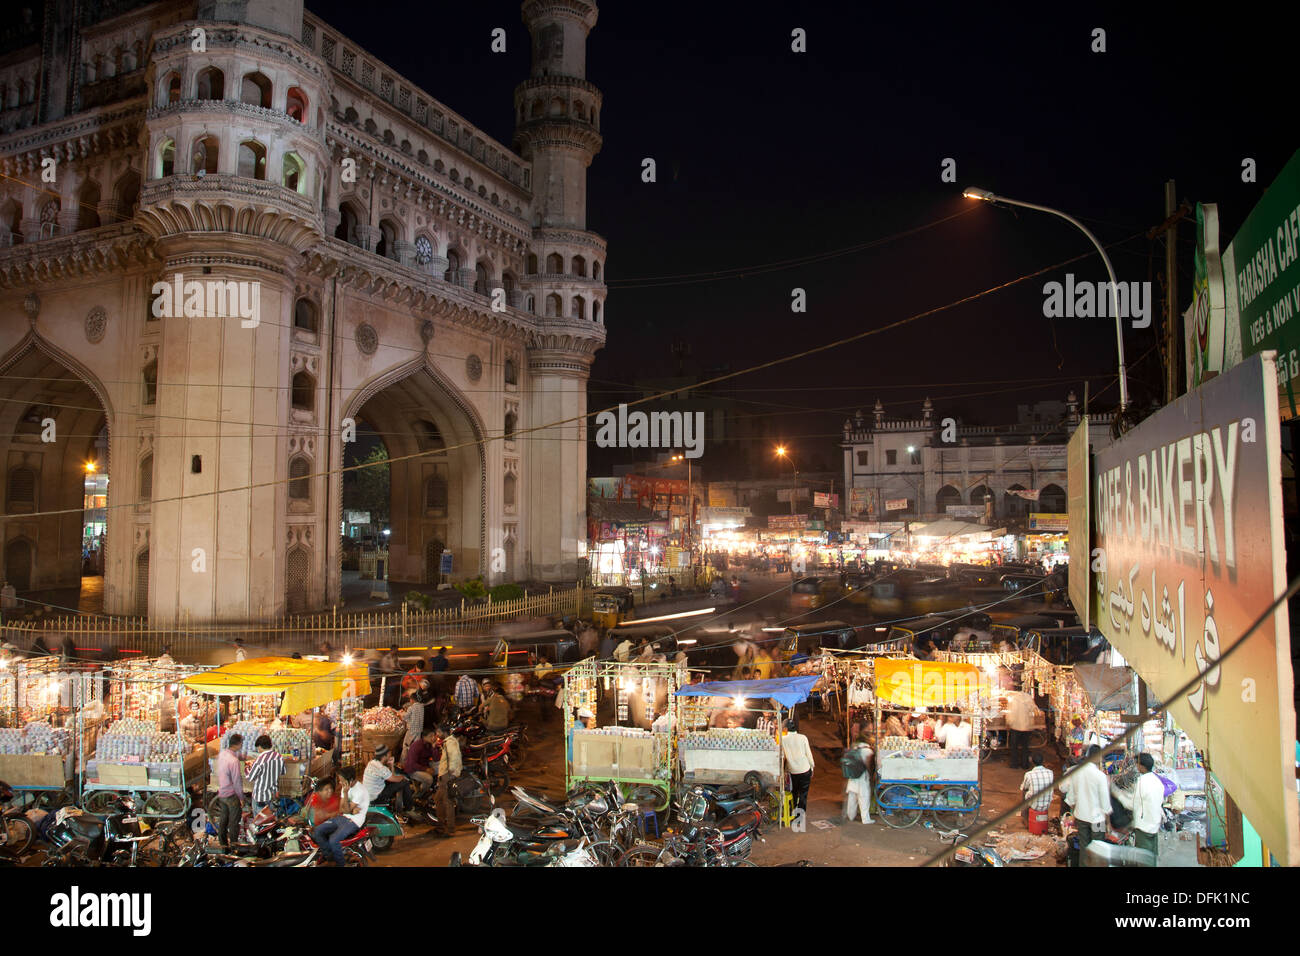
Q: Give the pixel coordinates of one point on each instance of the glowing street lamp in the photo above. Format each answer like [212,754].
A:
[987,196]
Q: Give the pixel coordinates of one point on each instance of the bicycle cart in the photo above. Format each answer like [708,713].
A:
[915,777]
[48,708]
[140,752]
[627,749]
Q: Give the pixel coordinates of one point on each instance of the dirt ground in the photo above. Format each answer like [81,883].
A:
[826,842]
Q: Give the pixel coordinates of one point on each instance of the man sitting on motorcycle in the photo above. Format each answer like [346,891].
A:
[329,836]
[419,759]
[383,783]
[321,805]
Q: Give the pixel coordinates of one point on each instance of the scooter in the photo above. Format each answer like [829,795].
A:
[735,833]
[501,844]
[724,800]
[89,839]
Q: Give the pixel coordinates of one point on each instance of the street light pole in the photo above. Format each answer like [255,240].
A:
[987,196]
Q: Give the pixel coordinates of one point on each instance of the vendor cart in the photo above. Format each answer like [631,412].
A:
[48,707]
[729,731]
[266,688]
[626,749]
[916,777]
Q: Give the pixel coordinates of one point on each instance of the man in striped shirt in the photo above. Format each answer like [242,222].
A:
[264,774]
[1038,778]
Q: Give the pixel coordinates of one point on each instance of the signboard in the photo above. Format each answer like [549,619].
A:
[357,517]
[896,504]
[1203,322]
[1048,522]
[1262,282]
[1188,532]
[721,515]
[785,494]
[787,522]
[862,501]
[823,499]
[1078,458]
[965,511]
[444,565]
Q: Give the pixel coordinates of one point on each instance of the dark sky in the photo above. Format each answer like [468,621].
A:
[765,155]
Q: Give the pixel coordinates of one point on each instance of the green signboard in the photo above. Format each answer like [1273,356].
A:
[1262,281]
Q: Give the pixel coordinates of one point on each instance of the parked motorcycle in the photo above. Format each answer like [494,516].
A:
[503,844]
[724,800]
[90,839]
[296,849]
[735,832]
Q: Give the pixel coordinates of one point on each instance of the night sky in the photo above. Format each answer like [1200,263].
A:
[765,155]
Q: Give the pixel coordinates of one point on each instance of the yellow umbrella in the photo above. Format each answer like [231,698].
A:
[305,684]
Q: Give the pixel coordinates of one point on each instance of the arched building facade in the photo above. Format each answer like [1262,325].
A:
[336,247]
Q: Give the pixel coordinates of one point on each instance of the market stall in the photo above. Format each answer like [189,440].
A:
[914,775]
[743,727]
[265,693]
[625,746]
[1015,670]
[48,707]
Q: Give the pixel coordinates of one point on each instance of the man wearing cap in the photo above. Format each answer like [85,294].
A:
[586,719]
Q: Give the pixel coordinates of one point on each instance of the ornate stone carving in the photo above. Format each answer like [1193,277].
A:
[367,339]
[474,368]
[96,325]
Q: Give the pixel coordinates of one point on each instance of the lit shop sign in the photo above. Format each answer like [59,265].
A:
[1187,552]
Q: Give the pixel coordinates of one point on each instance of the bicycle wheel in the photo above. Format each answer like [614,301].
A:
[642,855]
[894,810]
[52,800]
[165,805]
[1037,739]
[19,835]
[605,852]
[956,808]
[101,801]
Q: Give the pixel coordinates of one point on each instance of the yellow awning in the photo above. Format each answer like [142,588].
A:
[907,682]
[305,684]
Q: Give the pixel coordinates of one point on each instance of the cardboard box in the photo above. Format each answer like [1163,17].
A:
[123,775]
[33,770]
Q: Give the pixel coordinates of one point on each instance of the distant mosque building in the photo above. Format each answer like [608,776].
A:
[411,274]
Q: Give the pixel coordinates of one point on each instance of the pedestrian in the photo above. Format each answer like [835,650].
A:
[1088,790]
[799,761]
[496,711]
[958,734]
[1037,778]
[449,767]
[413,713]
[857,789]
[230,792]
[240,653]
[1021,713]
[329,836]
[440,662]
[413,677]
[264,775]
[1147,801]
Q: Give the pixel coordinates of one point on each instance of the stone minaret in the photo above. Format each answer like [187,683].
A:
[557,114]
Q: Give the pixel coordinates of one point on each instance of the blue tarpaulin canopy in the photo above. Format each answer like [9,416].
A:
[786,691]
